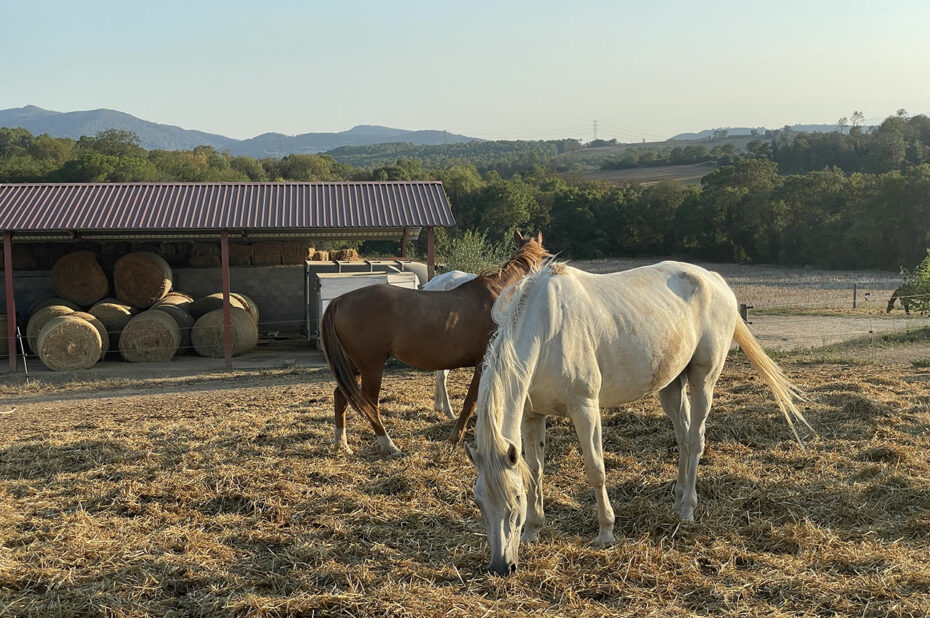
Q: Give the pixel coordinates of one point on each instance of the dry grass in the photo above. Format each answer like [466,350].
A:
[221,496]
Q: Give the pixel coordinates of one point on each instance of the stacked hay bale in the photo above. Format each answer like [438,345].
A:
[205,255]
[213,302]
[78,277]
[39,319]
[240,254]
[114,316]
[267,253]
[101,329]
[349,255]
[141,279]
[177,305]
[319,256]
[68,343]
[295,253]
[207,336]
[150,336]
[47,301]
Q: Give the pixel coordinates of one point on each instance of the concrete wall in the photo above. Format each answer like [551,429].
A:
[277,290]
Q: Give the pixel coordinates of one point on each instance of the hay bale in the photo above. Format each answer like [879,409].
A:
[212,303]
[240,254]
[68,343]
[39,319]
[348,255]
[48,301]
[101,329]
[207,336]
[77,276]
[178,299]
[141,278]
[267,253]
[184,320]
[320,256]
[114,316]
[205,255]
[151,336]
[247,303]
[295,253]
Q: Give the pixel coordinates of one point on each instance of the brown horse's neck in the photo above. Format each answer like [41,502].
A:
[528,257]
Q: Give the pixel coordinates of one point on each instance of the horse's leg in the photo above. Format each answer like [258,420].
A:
[468,408]
[534,452]
[441,401]
[371,385]
[339,440]
[674,401]
[587,421]
[702,378]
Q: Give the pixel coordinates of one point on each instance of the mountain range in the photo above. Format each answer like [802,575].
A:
[154,136]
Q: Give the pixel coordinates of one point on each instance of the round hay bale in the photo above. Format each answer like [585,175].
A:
[114,316]
[68,343]
[179,299]
[151,336]
[212,303]
[77,276]
[247,303]
[185,323]
[39,319]
[207,336]
[141,278]
[104,336]
[320,256]
[47,301]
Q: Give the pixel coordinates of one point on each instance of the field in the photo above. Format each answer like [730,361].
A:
[685,174]
[218,494]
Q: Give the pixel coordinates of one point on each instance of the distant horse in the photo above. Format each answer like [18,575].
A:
[570,342]
[903,294]
[443,283]
[426,330]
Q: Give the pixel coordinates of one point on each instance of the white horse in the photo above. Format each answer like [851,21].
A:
[571,342]
[443,283]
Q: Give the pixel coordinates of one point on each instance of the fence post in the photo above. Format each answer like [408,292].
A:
[744,312]
[855,289]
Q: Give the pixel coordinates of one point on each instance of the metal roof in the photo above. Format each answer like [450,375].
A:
[283,208]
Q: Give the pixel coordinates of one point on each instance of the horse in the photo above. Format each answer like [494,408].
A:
[570,342]
[904,294]
[443,283]
[426,330]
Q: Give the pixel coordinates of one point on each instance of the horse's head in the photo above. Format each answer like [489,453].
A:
[520,240]
[500,493]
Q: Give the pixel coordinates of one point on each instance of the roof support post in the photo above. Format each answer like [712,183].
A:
[403,242]
[227,327]
[430,253]
[10,300]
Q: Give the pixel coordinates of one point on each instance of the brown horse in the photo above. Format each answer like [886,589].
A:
[426,330]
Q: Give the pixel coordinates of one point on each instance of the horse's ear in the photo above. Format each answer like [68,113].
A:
[471,454]
[513,455]
[517,236]
[539,237]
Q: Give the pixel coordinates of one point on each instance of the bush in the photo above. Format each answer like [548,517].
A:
[472,252]
[917,285]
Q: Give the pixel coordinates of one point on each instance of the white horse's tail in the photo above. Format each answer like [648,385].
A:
[785,392]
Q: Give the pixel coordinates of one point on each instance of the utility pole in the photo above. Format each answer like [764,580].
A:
[595,130]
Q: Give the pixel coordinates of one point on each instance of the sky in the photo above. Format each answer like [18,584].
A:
[495,70]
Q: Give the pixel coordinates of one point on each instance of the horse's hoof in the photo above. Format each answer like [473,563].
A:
[604,539]
[687,515]
[396,453]
[342,448]
[449,414]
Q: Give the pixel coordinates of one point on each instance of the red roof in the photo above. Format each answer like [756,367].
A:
[259,206]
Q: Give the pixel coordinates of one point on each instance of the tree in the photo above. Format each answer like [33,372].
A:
[842,123]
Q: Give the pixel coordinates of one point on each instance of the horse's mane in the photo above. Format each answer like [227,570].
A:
[529,256]
[505,377]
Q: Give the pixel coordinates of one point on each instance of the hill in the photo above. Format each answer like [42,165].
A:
[155,136]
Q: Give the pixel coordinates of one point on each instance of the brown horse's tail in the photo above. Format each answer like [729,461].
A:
[341,366]
[785,392]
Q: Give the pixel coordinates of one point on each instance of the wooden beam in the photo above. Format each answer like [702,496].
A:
[10,300]
[403,243]
[227,327]
[430,253]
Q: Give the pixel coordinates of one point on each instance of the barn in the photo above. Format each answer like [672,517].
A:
[204,230]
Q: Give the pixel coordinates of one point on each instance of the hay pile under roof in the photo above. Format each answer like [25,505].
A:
[141,278]
[69,343]
[78,277]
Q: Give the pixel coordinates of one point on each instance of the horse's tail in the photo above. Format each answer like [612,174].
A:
[341,365]
[785,392]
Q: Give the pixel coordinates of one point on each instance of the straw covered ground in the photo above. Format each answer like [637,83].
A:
[221,496]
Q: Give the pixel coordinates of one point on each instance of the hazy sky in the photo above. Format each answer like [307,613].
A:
[507,70]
